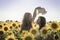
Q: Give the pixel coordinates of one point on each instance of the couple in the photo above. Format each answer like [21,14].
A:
[28,19]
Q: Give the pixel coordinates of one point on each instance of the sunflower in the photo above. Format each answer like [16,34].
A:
[14,24]
[17,28]
[55,25]
[34,31]
[47,26]
[1,26]
[35,25]
[2,35]
[1,32]
[28,36]
[11,28]
[10,36]
[44,32]
[6,28]
[57,36]
[23,33]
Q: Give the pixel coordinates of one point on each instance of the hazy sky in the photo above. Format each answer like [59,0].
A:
[15,9]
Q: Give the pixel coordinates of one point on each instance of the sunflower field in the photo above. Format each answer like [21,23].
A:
[11,30]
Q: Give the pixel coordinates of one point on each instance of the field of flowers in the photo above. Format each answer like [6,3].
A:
[11,30]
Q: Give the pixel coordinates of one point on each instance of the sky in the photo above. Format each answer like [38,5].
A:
[15,9]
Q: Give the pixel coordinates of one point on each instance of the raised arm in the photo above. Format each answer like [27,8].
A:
[34,14]
[40,10]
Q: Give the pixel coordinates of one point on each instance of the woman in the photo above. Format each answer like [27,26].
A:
[27,22]
[41,21]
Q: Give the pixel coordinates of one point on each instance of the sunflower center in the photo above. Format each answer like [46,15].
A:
[10,39]
[0,26]
[34,32]
[10,33]
[19,25]
[54,25]
[10,27]
[1,32]
[28,38]
[5,28]
[14,24]
[4,24]
[56,37]
[44,31]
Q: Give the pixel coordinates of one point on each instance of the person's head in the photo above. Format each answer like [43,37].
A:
[41,21]
[27,17]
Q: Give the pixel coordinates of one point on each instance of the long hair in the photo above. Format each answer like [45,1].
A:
[27,20]
[41,21]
